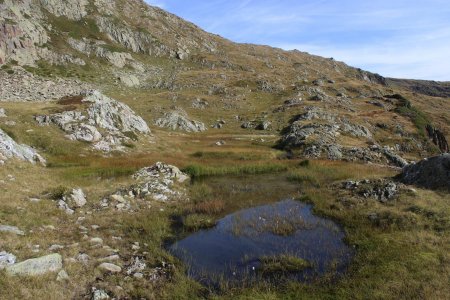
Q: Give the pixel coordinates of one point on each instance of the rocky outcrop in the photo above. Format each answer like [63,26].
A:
[10,149]
[24,86]
[136,41]
[431,173]
[179,120]
[113,115]
[381,190]
[36,266]
[160,182]
[316,133]
[106,123]
[72,9]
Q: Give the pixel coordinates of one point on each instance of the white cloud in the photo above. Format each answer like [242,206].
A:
[160,4]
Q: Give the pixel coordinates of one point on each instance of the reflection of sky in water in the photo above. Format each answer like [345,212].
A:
[232,248]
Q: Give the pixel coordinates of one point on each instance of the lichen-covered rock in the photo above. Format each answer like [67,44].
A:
[179,120]
[10,149]
[432,173]
[113,115]
[36,266]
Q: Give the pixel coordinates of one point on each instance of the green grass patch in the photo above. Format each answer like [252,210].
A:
[280,264]
[204,171]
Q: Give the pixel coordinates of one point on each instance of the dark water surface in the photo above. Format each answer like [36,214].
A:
[231,250]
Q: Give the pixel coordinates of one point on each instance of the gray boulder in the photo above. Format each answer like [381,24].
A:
[78,198]
[36,266]
[179,120]
[11,229]
[431,173]
[10,149]
[113,115]
[2,113]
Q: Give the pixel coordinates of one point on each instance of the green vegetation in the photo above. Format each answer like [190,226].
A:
[204,171]
[281,264]
[406,109]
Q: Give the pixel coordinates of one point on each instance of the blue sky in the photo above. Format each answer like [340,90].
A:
[396,38]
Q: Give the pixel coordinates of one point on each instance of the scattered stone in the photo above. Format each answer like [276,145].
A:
[109,267]
[11,229]
[62,276]
[36,266]
[199,104]
[2,113]
[96,241]
[78,198]
[6,259]
[264,125]
[83,258]
[220,143]
[99,295]
[54,248]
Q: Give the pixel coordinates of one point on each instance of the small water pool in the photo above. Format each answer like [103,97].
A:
[237,248]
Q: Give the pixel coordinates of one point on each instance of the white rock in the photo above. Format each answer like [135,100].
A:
[10,149]
[11,229]
[2,113]
[62,276]
[78,198]
[108,267]
[36,266]
[6,259]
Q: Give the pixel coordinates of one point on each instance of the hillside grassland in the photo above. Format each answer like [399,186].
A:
[405,255]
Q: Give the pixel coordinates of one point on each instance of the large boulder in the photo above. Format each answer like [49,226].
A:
[179,120]
[432,173]
[10,149]
[113,115]
[105,122]
[36,266]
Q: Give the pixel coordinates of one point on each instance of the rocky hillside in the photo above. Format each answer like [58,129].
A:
[319,107]
[96,94]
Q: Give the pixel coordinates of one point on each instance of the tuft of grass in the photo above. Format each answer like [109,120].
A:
[204,171]
[282,264]
[196,222]
[211,207]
